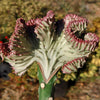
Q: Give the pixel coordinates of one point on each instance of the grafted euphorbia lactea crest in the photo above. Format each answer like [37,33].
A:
[54,45]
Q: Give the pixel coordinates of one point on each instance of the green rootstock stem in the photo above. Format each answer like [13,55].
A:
[46,92]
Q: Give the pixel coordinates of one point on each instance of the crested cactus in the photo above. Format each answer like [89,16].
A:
[53,45]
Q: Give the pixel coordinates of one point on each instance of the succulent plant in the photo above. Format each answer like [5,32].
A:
[52,44]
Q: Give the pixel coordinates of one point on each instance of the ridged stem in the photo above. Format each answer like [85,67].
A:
[46,90]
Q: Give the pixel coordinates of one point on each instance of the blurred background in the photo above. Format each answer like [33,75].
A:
[83,85]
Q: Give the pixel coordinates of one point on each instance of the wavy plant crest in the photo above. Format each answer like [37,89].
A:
[54,45]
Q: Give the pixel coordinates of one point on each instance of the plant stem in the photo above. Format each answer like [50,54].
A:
[47,90]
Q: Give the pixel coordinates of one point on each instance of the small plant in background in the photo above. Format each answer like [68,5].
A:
[13,9]
[32,71]
[95,26]
[96,58]
[53,45]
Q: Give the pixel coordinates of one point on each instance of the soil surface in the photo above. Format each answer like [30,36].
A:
[83,91]
[87,90]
